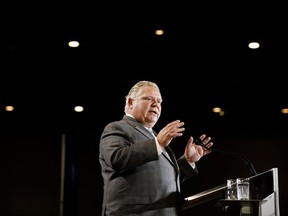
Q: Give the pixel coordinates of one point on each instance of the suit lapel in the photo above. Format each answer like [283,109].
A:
[169,155]
[138,126]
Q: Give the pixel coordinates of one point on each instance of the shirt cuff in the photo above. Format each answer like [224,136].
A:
[193,165]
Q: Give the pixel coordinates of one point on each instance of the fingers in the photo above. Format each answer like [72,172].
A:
[190,142]
[205,139]
[169,132]
[174,129]
[208,144]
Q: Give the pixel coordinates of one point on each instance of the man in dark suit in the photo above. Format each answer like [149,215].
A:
[140,172]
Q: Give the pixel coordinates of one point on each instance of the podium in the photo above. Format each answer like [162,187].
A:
[264,198]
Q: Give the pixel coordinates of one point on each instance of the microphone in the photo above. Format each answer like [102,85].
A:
[249,165]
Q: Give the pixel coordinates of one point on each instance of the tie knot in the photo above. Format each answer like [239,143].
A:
[150,130]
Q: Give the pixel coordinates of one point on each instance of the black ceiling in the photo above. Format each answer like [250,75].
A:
[203,54]
[136,19]
[206,32]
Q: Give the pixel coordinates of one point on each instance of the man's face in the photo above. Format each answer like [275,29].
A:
[146,108]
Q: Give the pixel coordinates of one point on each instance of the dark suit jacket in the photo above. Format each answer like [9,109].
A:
[137,181]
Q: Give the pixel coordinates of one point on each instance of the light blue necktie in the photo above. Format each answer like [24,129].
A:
[151,131]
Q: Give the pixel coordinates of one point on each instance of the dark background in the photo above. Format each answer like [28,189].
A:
[202,61]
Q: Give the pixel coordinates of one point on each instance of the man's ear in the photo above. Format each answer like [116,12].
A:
[130,101]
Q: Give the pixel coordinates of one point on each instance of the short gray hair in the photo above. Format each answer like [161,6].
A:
[136,90]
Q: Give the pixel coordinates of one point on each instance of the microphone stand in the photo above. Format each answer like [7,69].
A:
[249,165]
